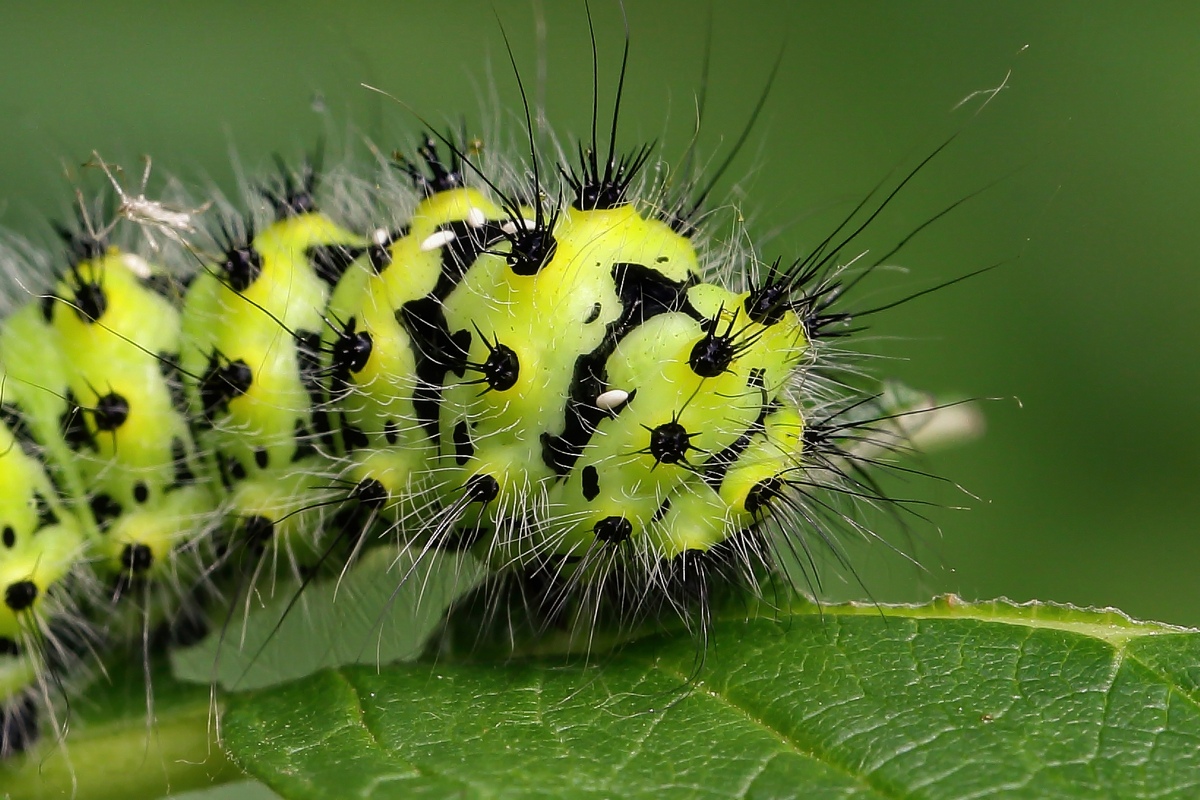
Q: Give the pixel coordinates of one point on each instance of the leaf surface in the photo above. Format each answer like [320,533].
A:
[948,700]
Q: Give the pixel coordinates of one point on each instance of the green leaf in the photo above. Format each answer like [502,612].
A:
[111,751]
[942,701]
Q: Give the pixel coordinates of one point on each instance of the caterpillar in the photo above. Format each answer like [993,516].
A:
[557,368]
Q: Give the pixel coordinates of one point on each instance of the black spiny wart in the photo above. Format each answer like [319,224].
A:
[20,595]
[220,384]
[241,263]
[437,175]
[352,350]
[110,412]
[613,530]
[597,190]
[294,195]
[369,493]
[89,301]
[502,367]
[532,247]
[669,443]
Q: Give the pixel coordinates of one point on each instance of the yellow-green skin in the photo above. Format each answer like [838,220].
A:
[113,490]
[33,550]
[549,320]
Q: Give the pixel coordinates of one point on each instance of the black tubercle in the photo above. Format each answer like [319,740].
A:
[241,264]
[351,351]
[432,175]
[179,459]
[482,489]
[110,412]
[136,558]
[369,493]
[20,595]
[531,248]
[309,354]
[87,298]
[715,351]
[45,512]
[222,383]
[330,261]
[758,499]
[501,369]
[597,190]
[104,510]
[293,194]
[82,244]
[613,530]
[644,293]
[669,443]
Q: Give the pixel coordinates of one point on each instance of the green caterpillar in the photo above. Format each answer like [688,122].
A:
[559,380]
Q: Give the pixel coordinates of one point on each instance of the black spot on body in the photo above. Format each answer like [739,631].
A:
[9,536]
[47,304]
[353,437]
[168,365]
[308,354]
[461,252]
[437,352]
[237,469]
[256,531]
[719,463]
[104,510]
[391,431]
[380,256]
[591,483]
[463,449]
[141,492]
[261,457]
[305,446]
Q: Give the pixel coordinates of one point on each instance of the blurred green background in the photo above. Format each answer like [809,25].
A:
[1085,486]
